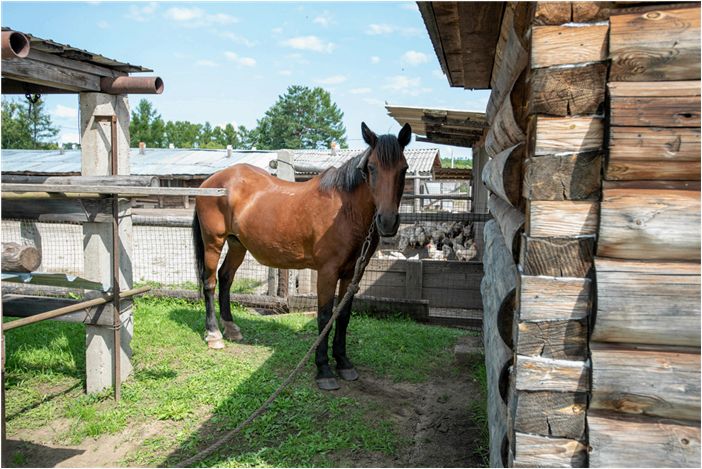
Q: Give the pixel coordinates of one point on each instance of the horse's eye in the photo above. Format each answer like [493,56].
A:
[371,168]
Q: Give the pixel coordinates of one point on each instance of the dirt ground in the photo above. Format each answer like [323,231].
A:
[433,416]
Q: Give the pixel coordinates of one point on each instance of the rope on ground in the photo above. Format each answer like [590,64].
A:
[353,288]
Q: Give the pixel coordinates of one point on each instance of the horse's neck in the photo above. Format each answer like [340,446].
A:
[360,207]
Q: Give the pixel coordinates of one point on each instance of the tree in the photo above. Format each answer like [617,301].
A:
[146,126]
[27,126]
[301,118]
[182,134]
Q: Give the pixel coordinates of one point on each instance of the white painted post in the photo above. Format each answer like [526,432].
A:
[97,237]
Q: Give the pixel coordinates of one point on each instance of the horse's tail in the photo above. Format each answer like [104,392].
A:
[199,249]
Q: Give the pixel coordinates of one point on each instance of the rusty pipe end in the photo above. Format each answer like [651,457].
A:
[14,45]
[127,85]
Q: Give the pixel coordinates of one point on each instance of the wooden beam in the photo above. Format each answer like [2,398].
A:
[552,13]
[121,190]
[504,132]
[54,76]
[568,44]
[552,218]
[557,257]
[59,210]
[543,451]
[77,65]
[650,224]
[618,440]
[655,104]
[552,414]
[568,90]
[547,374]
[544,298]
[510,221]
[502,174]
[659,44]
[550,135]
[560,340]
[479,32]
[647,302]
[562,177]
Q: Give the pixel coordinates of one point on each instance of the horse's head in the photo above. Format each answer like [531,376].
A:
[385,165]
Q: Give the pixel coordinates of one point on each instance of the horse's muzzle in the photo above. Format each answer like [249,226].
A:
[387,224]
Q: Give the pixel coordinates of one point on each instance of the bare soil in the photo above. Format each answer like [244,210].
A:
[432,417]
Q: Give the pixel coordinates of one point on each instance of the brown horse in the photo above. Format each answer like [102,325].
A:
[318,224]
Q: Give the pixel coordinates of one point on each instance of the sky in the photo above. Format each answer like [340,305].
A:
[228,62]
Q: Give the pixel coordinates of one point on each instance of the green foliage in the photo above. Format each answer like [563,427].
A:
[146,126]
[301,118]
[25,126]
[462,163]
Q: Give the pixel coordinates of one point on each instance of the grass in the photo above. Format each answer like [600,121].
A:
[183,395]
[478,410]
[244,285]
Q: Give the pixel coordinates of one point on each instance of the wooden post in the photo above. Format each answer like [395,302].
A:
[97,237]
[417,190]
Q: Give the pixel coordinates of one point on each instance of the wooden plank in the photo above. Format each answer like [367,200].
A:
[383,279]
[656,45]
[50,75]
[478,31]
[131,191]
[502,174]
[78,65]
[387,265]
[646,170]
[431,268]
[413,280]
[456,280]
[552,13]
[25,306]
[585,12]
[54,280]
[653,382]
[658,185]
[562,177]
[653,89]
[565,135]
[650,224]
[561,218]
[547,374]
[510,220]
[568,90]
[618,440]
[504,131]
[449,298]
[668,111]
[552,414]
[121,180]
[554,298]
[543,451]
[568,44]
[557,257]
[560,340]
[647,302]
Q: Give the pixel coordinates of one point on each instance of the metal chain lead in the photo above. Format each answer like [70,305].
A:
[352,289]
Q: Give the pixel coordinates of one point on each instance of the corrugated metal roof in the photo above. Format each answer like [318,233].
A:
[191,162]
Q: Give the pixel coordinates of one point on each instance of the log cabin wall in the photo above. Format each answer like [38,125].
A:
[592,288]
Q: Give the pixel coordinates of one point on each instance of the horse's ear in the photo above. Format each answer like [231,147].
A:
[368,135]
[405,135]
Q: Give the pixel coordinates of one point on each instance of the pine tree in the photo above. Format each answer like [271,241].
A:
[27,126]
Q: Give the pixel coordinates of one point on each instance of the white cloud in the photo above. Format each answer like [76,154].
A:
[312,43]
[285,73]
[245,61]
[102,24]
[236,38]
[375,59]
[375,29]
[324,19]
[197,17]
[405,85]
[68,137]
[332,80]
[207,63]
[65,112]
[360,90]
[412,57]
[141,13]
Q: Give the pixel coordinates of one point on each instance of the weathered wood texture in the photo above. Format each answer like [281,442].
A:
[557,257]
[547,374]
[656,45]
[477,28]
[542,451]
[553,414]
[567,44]
[504,131]
[561,218]
[510,220]
[647,302]
[657,104]
[566,177]
[554,298]
[19,258]
[644,381]
[568,90]
[654,185]
[497,289]
[502,174]
[549,135]
[556,13]
[650,224]
[511,56]
[629,441]
[560,340]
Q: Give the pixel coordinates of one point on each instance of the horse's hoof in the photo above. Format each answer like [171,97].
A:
[327,384]
[232,332]
[349,374]
[215,344]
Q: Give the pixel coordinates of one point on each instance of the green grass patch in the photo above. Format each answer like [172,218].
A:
[189,395]
[478,410]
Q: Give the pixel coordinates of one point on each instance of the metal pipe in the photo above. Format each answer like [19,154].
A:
[70,309]
[135,85]
[14,45]
[114,170]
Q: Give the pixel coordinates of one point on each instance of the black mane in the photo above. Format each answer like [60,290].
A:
[348,176]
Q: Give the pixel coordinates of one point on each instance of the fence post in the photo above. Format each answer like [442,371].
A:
[413,280]
[97,237]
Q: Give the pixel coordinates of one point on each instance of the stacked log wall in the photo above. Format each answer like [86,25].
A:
[645,345]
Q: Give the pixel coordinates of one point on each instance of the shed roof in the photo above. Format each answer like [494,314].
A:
[443,126]
[420,160]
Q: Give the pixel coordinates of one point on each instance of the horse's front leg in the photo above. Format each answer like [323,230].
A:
[343,365]
[326,286]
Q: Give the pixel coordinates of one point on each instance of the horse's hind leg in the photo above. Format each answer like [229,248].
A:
[235,256]
[213,250]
